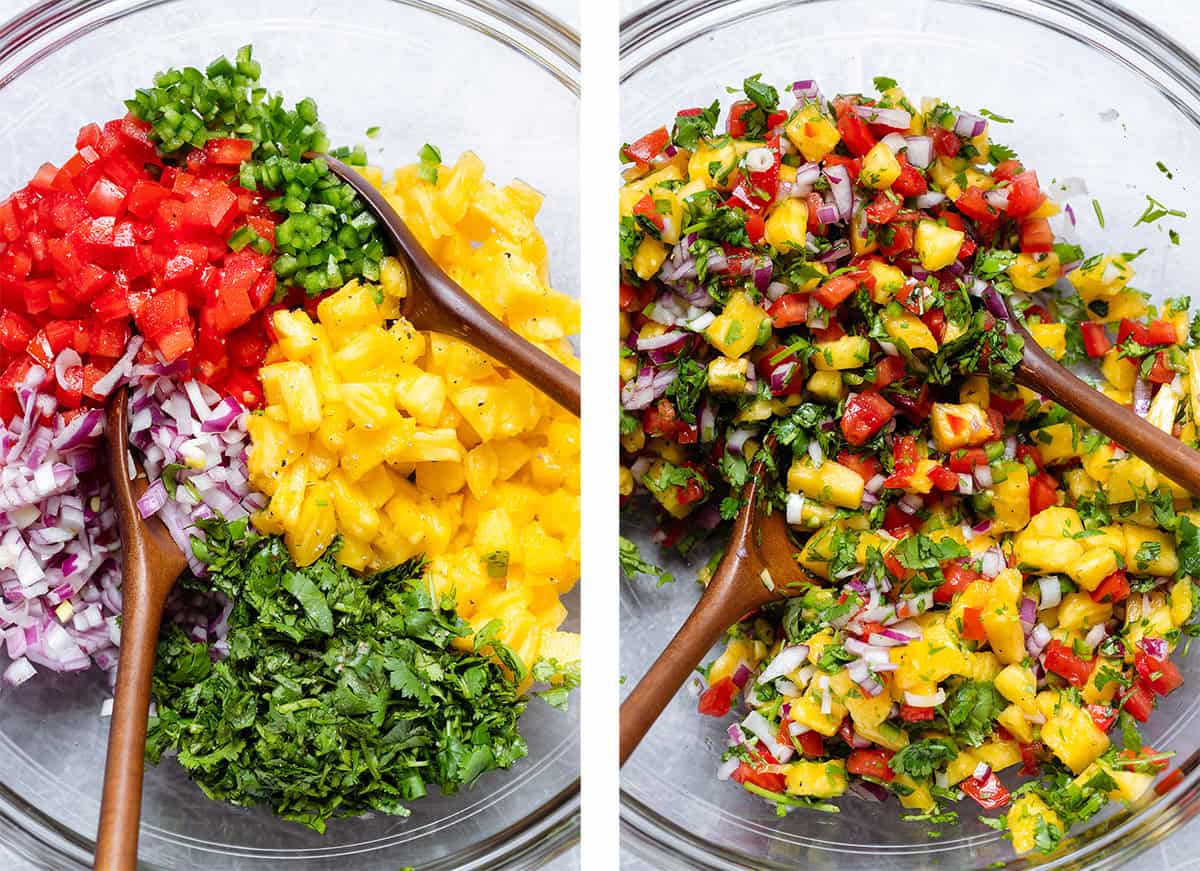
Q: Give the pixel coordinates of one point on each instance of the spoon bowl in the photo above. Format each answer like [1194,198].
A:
[436,302]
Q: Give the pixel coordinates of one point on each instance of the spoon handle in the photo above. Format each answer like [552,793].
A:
[1167,454]
[121,805]
[724,602]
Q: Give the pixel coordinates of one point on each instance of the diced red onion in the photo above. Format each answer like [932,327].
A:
[929,199]
[982,770]
[1050,588]
[841,188]
[741,675]
[1141,397]
[968,125]
[1038,639]
[1028,612]
[918,700]
[897,119]
[785,662]
[1155,648]
[920,151]
[997,198]
[758,726]
[1095,635]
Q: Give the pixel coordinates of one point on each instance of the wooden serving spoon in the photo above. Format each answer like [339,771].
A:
[436,302]
[152,562]
[760,540]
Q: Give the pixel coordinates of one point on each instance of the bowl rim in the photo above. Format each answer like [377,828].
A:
[1125,835]
[37,31]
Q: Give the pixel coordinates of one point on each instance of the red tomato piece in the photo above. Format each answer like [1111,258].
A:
[865,414]
[717,699]
[1103,716]
[989,792]
[972,625]
[789,310]
[647,209]
[871,763]
[1062,660]
[1024,195]
[228,152]
[1114,588]
[856,134]
[1162,675]
[1095,340]
[1139,701]
[883,209]
[958,578]
[865,465]
[912,714]
[1161,333]
[972,204]
[1042,493]
[1036,236]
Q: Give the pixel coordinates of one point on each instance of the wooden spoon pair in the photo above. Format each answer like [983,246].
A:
[761,540]
[152,562]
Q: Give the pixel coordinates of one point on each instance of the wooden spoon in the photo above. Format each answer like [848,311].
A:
[759,567]
[151,564]
[436,302]
[760,540]
[1043,374]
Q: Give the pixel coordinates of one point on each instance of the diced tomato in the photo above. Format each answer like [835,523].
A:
[811,743]
[1169,782]
[935,319]
[898,523]
[15,331]
[108,338]
[865,414]
[1062,660]
[989,792]
[769,780]
[943,478]
[245,387]
[871,763]
[1024,195]
[692,491]
[1159,673]
[1103,716]
[865,465]
[853,165]
[883,209]
[634,299]
[1095,340]
[967,460]
[958,578]
[756,227]
[1030,758]
[945,142]
[1042,493]
[659,419]
[895,238]
[972,625]
[888,370]
[145,197]
[904,451]
[1114,588]
[855,133]
[717,699]
[834,291]
[736,126]
[1007,170]
[1160,371]
[228,152]
[1036,236]
[1127,329]
[913,714]
[1139,702]
[910,182]
[1161,333]
[789,310]
[972,204]
[647,209]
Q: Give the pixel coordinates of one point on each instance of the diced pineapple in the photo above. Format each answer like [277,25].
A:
[848,352]
[1073,737]
[1010,498]
[1027,814]
[880,168]
[888,280]
[831,482]
[1102,278]
[297,336]
[1018,684]
[957,426]
[1079,612]
[1013,719]
[728,375]
[1096,564]
[1033,272]
[817,779]
[1052,338]
[812,132]
[787,226]
[902,326]
[1150,551]
[826,386]
[294,384]
[737,329]
[937,246]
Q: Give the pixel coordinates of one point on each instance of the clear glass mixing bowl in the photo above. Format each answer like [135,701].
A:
[497,77]
[1059,67]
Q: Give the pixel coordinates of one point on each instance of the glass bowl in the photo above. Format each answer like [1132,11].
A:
[1060,68]
[497,77]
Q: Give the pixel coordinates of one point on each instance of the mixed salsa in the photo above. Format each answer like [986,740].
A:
[994,585]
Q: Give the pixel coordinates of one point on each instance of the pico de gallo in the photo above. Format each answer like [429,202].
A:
[995,587]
